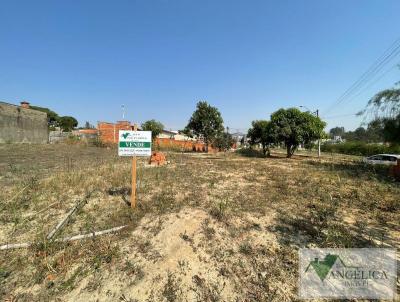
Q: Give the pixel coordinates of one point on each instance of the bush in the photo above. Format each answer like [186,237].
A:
[360,148]
[250,152]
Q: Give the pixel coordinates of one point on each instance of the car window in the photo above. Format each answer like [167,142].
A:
[376,157]
[388,158]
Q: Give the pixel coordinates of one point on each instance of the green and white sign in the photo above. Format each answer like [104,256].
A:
[134,143]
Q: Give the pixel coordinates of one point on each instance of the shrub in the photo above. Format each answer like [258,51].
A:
[360,148]
[250,152]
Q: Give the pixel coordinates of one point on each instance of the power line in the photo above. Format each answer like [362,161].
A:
[361,92]
[372,83]
[371,72]
[389,54]
[337,116]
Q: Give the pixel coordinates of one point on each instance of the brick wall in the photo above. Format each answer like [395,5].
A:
[195,146]
[108,132]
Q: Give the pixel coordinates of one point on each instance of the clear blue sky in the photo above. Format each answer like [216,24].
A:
[248,58]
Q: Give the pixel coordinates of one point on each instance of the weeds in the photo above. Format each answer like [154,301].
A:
[171,291]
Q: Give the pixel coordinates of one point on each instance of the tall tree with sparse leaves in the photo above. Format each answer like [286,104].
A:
[385,107]
[206,122]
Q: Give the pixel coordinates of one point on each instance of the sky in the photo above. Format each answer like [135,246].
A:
[159,58]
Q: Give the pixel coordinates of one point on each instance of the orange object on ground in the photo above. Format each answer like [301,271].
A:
[157,158]
[395,170]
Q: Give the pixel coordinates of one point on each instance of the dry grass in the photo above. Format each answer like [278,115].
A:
[206,228]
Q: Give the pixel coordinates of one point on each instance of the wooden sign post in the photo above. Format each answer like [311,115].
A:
[134,143]
[133,191]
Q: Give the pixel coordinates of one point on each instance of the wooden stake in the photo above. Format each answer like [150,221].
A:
[133,192]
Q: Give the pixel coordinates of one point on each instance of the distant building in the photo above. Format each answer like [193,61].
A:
[239,137]
[20,124]
[168,134]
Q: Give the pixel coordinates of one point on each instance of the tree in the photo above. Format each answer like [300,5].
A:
[391,129]
[260,133]
[385,106]
[360,134]
[224,141]
[375,131]
[386,103]
[337,131]
[88,125]
[293,127]
[206,122]
[67,123]
[154,126]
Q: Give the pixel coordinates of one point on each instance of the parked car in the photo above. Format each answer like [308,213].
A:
[382,159]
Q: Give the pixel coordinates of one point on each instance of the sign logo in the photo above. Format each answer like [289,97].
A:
[322,268]
[134,143]
[347,273]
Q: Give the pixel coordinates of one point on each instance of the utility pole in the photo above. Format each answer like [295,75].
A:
[319,139]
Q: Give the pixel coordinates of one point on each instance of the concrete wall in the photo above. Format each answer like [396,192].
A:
[21,125]
[81,134]
[58,136]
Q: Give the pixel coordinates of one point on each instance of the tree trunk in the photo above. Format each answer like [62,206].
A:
[288,151]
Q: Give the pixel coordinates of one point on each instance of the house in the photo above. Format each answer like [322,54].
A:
[168,134]
[21,124]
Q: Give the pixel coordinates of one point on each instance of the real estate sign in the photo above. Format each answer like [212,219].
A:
[134,143]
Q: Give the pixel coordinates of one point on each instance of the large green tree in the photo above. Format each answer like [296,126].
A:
[337,131]
[294,127]
[154,126]
[67,123]
[260,133]
[206,122]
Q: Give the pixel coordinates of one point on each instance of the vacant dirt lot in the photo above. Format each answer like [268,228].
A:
[207,227]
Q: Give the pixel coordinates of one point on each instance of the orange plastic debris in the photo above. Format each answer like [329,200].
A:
[157,158]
